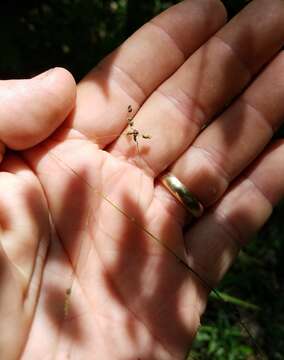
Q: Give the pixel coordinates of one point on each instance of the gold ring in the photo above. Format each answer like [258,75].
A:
[182,194]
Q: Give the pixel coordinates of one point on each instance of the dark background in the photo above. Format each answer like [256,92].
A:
[76,34]
[71,33]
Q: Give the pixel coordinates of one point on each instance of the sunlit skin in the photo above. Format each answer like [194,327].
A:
[89,236]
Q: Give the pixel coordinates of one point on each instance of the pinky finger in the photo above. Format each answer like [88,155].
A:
[214,241]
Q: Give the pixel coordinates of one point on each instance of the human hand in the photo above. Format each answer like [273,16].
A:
[109,289]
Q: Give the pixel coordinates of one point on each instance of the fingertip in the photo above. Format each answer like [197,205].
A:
[60,82]
[222,10]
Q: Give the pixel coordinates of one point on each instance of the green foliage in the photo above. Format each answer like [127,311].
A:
[220,340]
[257,278]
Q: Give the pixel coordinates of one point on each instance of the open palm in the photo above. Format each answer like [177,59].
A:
[91,240]
[105,278]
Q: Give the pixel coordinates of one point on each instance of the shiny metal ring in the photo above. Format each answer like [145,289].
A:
[182,194]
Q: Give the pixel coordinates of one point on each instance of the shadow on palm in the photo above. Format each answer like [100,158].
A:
[124,285]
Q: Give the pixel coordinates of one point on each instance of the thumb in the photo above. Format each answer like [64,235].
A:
[30,110]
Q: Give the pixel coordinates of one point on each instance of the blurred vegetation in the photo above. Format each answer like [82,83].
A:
[257,277]
[76,34]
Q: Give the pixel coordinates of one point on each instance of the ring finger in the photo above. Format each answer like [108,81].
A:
[224,149]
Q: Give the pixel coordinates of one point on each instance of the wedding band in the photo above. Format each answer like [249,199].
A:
[182,194]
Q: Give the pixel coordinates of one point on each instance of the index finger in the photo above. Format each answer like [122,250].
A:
[134,70]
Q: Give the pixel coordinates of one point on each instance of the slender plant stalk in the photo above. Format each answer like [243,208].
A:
[234,300]
[225,298]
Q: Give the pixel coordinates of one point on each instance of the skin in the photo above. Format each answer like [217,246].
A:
[79,278]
